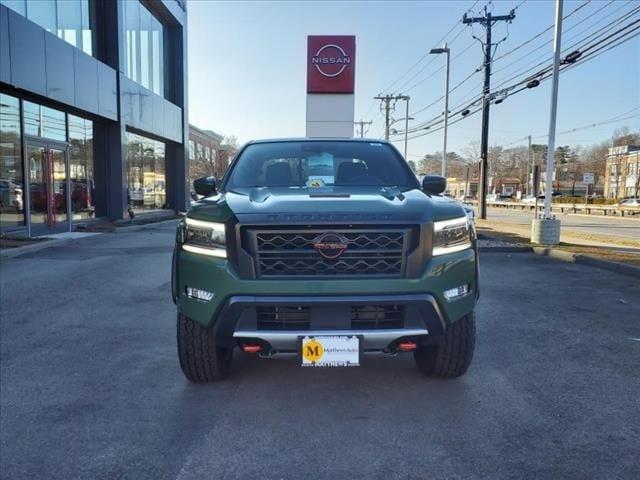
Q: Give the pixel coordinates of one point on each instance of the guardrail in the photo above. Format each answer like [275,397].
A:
[567,207]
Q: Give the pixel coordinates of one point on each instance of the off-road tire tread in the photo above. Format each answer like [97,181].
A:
[200,359]
[450,358]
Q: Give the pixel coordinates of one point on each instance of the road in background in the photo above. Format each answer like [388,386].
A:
[91,386]
[628,228]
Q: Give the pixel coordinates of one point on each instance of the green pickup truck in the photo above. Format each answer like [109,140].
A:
[326,250]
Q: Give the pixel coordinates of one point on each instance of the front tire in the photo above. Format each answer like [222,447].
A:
[451,357]
[201,360]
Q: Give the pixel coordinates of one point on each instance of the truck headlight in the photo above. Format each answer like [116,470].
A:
[205,238]
[451,236]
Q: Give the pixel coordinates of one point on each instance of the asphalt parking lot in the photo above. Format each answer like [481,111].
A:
[91,387]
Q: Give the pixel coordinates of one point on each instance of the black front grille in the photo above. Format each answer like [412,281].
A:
[292,253]
[356,317]
[374,317]
[283,318]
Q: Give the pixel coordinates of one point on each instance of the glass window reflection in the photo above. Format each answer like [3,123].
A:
[42,13]
[45,122]
[11,192]
[70,20]
[144,47]
[81,168]
[146,173]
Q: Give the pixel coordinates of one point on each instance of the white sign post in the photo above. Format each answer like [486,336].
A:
[588,179]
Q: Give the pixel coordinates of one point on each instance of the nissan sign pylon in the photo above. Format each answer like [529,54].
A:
[331,65]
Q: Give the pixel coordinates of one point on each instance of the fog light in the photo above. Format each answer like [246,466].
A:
[198,294]
[455,293]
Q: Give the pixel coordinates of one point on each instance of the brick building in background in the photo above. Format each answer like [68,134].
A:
[622,175]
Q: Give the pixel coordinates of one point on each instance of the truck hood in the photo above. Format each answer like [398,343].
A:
[359,203]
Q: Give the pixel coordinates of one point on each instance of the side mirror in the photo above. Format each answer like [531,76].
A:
[205,186]
[434,184]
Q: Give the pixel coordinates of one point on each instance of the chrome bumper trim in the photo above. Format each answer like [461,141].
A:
[288,340]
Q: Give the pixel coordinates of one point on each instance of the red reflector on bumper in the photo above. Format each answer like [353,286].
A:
[407,346]
[251,348]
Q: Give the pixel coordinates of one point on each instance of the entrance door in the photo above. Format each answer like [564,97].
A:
[48,187]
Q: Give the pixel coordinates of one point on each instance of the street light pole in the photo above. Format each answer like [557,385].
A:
[528,166]
[447,51]
[554,108]
[406,127]
[546,230]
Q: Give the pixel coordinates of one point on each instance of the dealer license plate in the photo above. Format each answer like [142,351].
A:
[330,351]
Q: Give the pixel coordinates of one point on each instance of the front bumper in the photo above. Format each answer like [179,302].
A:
[234,295]
[329,315]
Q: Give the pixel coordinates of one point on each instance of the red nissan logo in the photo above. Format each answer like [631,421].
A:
[330,245]
[331,60]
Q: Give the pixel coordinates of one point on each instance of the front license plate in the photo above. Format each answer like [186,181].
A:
[330,351]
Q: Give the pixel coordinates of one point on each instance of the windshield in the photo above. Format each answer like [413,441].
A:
[316,164]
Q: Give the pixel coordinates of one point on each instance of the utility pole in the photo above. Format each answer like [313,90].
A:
[362,123]
[388,103]
[487,22]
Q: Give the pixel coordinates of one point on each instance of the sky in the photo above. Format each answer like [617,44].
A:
[247,68]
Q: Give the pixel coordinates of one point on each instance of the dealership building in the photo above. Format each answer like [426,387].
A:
[93,111]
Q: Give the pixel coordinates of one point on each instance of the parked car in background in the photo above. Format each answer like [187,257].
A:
[629,202]
[11,195]
[505,196]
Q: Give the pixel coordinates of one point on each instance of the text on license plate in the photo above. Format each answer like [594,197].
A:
[330,351]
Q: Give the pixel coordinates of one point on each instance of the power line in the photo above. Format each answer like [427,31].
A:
[466,95]
[608,46]
[618,118]
[528,54]
[402,89]
[599,33]
[479,69]
[445,36]
[549,28]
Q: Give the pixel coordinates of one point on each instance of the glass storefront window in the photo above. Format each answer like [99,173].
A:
[11,191]
[41,121]
[70,20]
[144,47]
[146,174]
[59,167]
[81,168]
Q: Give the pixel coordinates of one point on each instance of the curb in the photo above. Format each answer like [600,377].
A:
[17,251]
[136,228]
[505,249]
[579,258]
